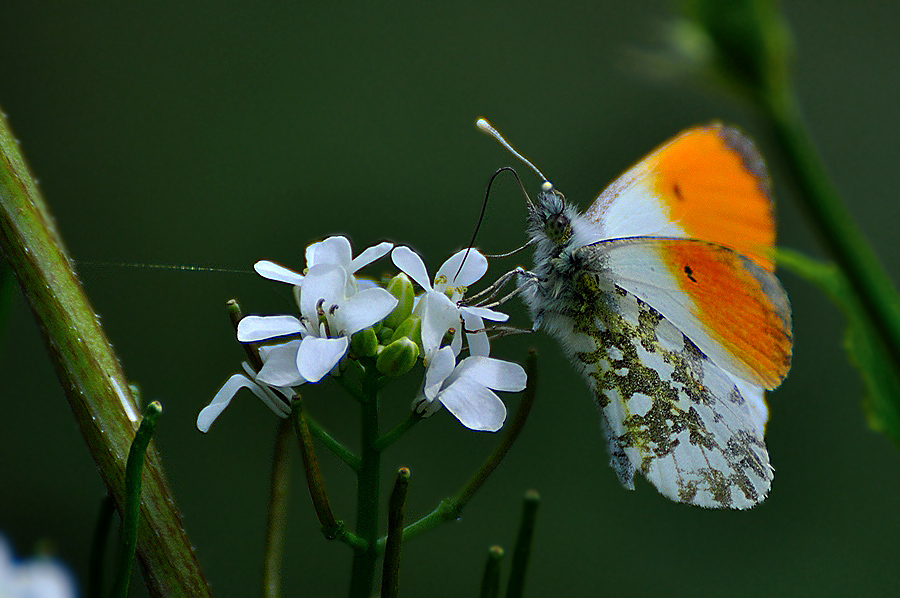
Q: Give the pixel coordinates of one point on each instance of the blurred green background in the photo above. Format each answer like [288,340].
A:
[219,134]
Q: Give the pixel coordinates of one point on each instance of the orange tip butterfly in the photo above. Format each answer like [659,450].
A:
[663,294]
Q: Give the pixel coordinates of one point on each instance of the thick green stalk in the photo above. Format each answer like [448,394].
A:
[362,576]
[89,371]
[834,223]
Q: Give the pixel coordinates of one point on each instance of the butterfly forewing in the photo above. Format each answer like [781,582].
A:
[708,183]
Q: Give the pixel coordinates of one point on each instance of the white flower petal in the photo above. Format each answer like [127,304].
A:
[484,312]
[409,261]
[476,336]
[479,344]
[473,268]
[269,398]
[370,255]
[323,282]
[259,328]
[317,356]
[439,369]
[475,406]
[493,373]
[209,413]
[273,271]
[456,341]
[364,309]
[438,314]
[280,365]
[333,250]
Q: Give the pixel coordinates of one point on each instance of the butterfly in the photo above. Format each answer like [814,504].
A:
[663,295]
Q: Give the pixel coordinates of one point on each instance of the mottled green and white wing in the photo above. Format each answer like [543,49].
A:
[670,412]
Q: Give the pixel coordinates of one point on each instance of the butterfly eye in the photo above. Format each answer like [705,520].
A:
[557,227]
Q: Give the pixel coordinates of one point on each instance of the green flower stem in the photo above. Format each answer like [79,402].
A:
[235,313]
[490,581]
[522,551]
[362,576]
[340,451]
[98,547]
[835,225]
[390,577]
[330,525]
[93,381]
[399,430]
[352,388]
[276,518]
[131,511]
[451,508]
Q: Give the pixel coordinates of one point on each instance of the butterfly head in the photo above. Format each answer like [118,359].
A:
[550,217]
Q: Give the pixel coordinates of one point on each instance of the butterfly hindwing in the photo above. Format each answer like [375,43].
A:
[670,412]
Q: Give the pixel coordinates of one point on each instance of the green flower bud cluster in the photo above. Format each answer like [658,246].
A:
[396,341]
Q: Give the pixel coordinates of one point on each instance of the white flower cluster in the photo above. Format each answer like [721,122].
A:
[334,304]
[34,578]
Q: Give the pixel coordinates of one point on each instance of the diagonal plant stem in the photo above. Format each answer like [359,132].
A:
[836,227]
[331,528]
[451,508]
[91,377]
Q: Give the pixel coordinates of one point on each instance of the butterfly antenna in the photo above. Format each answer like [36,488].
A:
[488,128]
[484,204]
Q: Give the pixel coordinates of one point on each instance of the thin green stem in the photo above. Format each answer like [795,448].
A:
[836,227]
[350,458]
[131,510]
[321,504]
[399,430]
[490,580]
[276,517]
[390,577]
[451,508]
[362,576]
[90,373]
[98,547]
[522,552]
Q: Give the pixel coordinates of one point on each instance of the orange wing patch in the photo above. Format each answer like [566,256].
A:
[742,306]
[715,186]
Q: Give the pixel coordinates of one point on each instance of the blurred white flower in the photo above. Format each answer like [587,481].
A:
[328,317]
[440,306]
[34,578]
[465,388]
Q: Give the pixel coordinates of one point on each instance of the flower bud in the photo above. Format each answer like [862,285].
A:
[410,328]
[364,343]
[398,357]
[401,288]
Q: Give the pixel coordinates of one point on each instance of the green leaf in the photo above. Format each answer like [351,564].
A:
[881,398]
